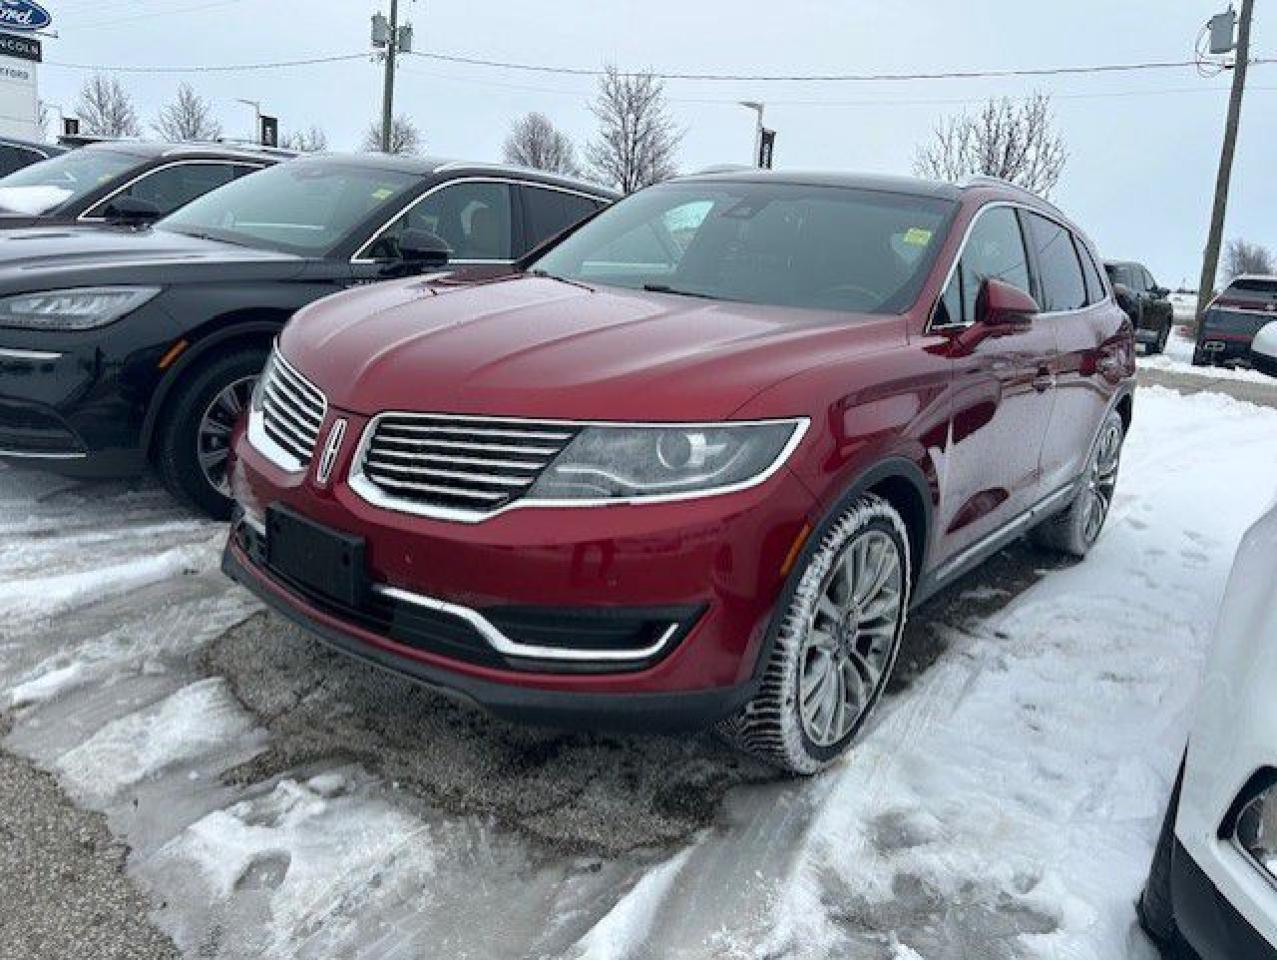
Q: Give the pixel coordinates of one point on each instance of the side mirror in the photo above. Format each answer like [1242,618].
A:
[1160,292]
[999,305]
[423,248]
[131,211]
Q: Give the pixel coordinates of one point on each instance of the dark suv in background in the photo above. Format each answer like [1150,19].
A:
[1233,318]
[1145,301]
[123,181]
[122,347]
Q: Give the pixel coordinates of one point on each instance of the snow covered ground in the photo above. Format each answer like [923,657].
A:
[283,802]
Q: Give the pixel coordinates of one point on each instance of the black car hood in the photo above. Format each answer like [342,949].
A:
[45,257]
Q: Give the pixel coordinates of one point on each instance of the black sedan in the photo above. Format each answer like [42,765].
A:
[16,154]
[121,348]
[123,181]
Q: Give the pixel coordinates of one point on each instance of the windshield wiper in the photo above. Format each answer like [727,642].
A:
[546,275]
[666,288]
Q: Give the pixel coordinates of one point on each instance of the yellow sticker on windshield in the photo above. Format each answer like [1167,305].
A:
[917,237]
[381,193]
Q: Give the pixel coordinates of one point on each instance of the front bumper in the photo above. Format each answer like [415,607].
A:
[1207,920]
[76,402]
[713,567]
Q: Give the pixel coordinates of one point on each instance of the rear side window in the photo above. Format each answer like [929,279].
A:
[994,251]
[172,187]
[1060,274]
[15,158]
[550,212]
[1095,291]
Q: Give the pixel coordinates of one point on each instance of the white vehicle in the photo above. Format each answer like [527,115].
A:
[1263,350]
[1213,882]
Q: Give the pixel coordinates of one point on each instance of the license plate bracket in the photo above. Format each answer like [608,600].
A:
[318,558]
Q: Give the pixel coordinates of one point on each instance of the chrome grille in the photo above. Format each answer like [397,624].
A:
[292,410]
[437,463]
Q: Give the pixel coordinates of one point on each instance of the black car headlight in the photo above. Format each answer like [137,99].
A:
[81,308]
[634,462]
[1255,832]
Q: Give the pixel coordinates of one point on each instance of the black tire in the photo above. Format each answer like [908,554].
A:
[773,726]
[176,447]
[1155,906]
[1075,530]
[1199,357]
[1159,345]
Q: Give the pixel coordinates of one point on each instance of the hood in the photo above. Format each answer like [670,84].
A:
[534,347]
[45,257]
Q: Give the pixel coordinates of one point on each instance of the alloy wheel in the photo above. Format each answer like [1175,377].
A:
[848,645]
[213,438]
[1101,480]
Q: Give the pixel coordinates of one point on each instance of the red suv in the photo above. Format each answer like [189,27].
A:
[695,461]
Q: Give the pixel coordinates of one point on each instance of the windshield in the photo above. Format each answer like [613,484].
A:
[304,207]
[50,183]
[816,247]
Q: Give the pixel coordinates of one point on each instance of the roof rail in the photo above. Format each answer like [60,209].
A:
[985,180]
[723,168]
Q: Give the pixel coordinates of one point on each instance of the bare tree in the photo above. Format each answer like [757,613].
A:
[106,109]
[313,140]
[637,139]
[1012,140]
[188,118]
[405,138]
[1240,257]
[535,142]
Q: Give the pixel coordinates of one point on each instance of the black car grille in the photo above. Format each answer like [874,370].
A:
[292,409]
[458,463]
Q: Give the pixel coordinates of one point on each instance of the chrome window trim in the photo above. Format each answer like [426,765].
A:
[364,488]
[1250,860]
[86,217]
[477,178]
[933,327]
[12,353]
[510,647]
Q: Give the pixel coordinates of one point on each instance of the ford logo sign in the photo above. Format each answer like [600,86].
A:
[23,15]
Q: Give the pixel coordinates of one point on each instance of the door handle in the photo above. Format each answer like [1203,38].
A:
[1045,379]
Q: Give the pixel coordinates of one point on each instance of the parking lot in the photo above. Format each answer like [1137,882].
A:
[275,798]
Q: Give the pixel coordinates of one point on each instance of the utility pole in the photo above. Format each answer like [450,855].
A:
[1210,262]
[388,92]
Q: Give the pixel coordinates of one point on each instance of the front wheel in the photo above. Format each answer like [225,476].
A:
[192,446]
[1159,345]
[835,645]
[1075,530]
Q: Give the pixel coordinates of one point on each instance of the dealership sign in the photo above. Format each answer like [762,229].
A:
[23,15]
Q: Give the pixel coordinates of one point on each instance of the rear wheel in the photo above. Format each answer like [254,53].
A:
[835,646]
[192,447]
[1076,529]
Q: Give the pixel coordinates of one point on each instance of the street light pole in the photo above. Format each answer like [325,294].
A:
[758,131]
[257,114]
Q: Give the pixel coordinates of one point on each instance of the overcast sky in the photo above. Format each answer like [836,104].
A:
[1143,147]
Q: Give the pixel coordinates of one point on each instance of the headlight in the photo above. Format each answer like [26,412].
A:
[636,462]
[79,309]
[1256,831]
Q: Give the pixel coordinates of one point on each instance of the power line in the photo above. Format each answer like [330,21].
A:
[822,77]
[728,77]
[209,68]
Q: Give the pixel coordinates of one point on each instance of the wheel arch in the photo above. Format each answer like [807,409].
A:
[900,482]
[255,328]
